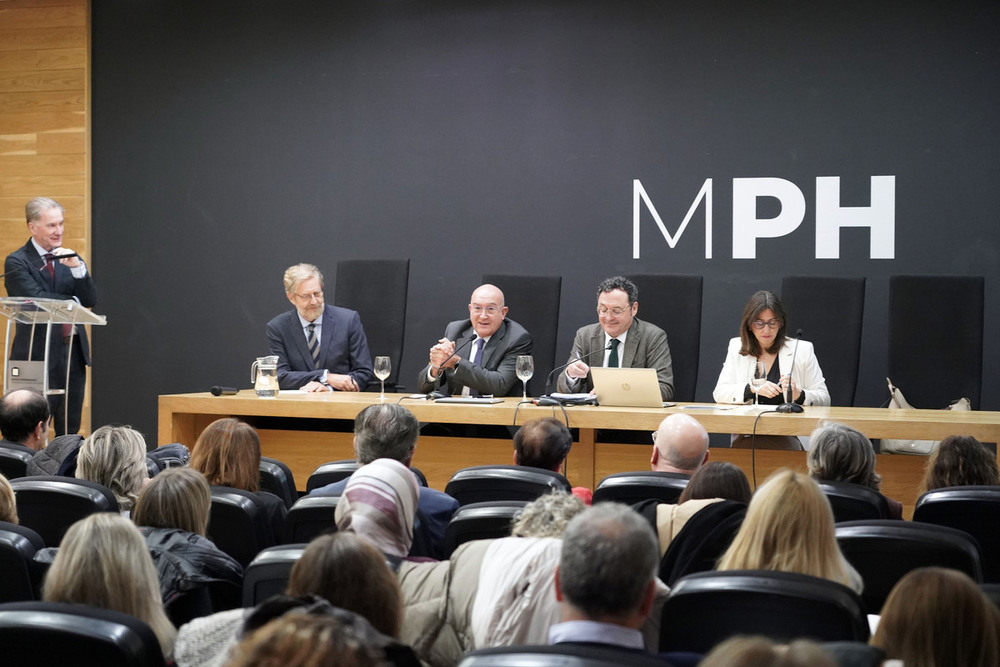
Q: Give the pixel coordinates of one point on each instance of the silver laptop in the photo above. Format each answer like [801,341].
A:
[627,387]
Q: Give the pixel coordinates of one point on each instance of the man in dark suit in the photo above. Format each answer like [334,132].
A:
[319,347]
[390,431]
[42,269]
[24,421]
[478,356]
[625,340]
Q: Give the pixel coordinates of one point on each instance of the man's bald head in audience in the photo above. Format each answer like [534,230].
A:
[681,445]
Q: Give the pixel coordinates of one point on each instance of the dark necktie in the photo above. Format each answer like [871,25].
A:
[313,343]
[477,359]
[613,357]
[50,266]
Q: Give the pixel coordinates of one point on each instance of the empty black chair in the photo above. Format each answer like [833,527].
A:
[534,303]
[854,502]
[237,524]
[14,462]
[559,655]
[706,608]
[276,478]
[268,573]
[479,484]
[20,576]
[377,288]
[630,488]
[673,303]
[940,364]
[884,551]
[334,471]
[992,592]
[58,633]
[310,517]
[974,509]
[829,311]
[481,521]
[49,505]
[702,541]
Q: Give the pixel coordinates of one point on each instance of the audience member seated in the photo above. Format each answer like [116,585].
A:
[103,562]
[762,652]
[340,568]
[8,503]
[839,453]
[115,456]
[228,453]
[712,482]
[24,421]
[545,443]
[299,639]
[936,617]
[390,431]
[789,528]
[491,592]
[960,460]
[172,513]
[606,581]
[680,445]
[50,460]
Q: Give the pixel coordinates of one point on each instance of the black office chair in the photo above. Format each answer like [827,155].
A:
[534,304]
[936,365]
[267,574]
[673,303]
[310,517]
[49,505]
[276,478]
[479,484]
[334,471]
[21,576]
[992,593]
[14,463]
[702,541]
[706,608]
[829,311]
[59,633]
[559,655]
[974,509]
[630,488]
[481,521]
[377,288]
[203,600]
[854,502]
[884,551]
[237,524]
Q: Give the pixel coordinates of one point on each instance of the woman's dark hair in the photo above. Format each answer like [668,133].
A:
[758,303]
[717,479]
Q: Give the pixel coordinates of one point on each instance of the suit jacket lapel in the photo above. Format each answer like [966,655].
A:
[631,345]
[494,344]
[326,342]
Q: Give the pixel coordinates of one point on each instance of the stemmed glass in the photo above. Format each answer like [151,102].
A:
[758,380]
[382,370]
[525,369]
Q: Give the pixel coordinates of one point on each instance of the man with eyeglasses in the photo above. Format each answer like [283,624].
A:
[478,356]
[626,341]
[319,347]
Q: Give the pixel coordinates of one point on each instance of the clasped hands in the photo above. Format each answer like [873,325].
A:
[441,356]
[770,389]
[336,381]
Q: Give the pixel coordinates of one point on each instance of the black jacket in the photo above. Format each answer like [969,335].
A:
[186,560]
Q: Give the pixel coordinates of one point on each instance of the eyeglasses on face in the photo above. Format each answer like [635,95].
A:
[614,312]
[309,297]
[477,310]
[770,324]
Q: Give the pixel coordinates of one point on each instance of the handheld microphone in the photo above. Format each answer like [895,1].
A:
[458,349]
[224,391]
[789,405]
[56,258]
[557,369]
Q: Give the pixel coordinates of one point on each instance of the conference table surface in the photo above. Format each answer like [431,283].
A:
[302,437]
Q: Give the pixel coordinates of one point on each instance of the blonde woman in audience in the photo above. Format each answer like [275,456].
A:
[960,460]
[172,513]
[763,652]
[228,453]
[115,456]
[936,617]
[8,504]
[789,528]
[103,562]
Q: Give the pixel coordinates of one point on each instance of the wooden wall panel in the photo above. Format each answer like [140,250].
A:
[45,119]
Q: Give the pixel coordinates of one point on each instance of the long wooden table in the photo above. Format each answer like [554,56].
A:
[183,416]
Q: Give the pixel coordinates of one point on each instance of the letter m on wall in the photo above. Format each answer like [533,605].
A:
[639,197]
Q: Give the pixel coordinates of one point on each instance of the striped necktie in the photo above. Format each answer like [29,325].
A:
[313,343]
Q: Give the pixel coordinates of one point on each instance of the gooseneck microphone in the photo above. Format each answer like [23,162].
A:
[458,349]
[789,405]
[224,391]
[548,400]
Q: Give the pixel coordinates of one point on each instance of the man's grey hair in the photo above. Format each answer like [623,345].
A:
[609,556]
[622,283]
[299,272]
[33,209]
[547,516]
[385,431]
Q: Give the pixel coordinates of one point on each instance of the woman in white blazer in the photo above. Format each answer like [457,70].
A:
[762,338]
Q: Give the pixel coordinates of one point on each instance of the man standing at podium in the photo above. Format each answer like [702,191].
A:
[43,269]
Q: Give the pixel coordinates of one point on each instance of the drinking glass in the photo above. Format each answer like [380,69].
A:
[525,369]
[758,380]
[382,370]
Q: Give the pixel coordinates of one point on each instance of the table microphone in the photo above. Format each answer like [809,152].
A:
[548,400]
[457,350]
[789,405]
[224,391]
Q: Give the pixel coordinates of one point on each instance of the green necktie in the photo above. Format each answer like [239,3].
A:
[613,357]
